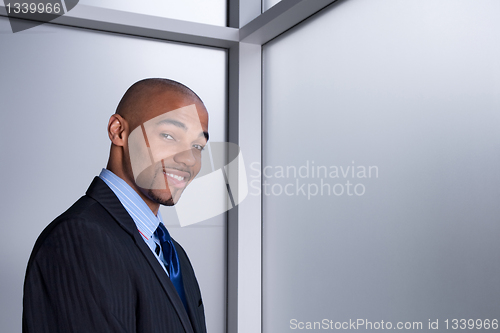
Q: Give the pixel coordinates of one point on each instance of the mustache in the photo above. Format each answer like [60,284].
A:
[146,178]
[164,167]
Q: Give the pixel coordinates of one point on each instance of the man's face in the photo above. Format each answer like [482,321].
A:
[165,150]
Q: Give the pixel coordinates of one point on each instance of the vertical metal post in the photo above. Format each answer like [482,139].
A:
[244,228]
[244,222]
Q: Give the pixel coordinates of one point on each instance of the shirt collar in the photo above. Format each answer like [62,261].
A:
[145,220]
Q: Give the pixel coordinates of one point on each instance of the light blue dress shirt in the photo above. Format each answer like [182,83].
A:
[140,212]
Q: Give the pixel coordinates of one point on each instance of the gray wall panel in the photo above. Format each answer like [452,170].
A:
[412,88]
[58,87]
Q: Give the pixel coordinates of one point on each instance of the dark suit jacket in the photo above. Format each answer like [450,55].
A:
[90,271]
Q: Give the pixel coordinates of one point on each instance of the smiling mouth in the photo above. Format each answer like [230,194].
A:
[175,179]
[179,178]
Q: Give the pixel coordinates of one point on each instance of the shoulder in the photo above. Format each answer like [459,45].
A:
[85,225]
[86,212]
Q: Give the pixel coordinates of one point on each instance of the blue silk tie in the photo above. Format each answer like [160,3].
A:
[172,261]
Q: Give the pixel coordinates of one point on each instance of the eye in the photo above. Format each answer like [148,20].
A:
[167,136]
[199,147]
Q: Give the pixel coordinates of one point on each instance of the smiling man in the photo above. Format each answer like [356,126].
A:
[108,263]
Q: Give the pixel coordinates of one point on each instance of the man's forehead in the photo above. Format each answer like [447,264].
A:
[186,118]
[158,100]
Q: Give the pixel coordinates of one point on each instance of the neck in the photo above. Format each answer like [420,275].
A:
[154,206]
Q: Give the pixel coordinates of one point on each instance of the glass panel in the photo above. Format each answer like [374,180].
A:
[59,87]
[381,156]
[202,11]
[266,4]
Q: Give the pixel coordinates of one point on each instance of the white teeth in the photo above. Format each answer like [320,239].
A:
[174,176]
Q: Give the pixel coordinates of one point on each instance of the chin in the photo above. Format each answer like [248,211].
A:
[165,199]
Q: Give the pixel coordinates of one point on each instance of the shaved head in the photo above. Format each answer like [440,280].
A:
[159,129]
[136,101]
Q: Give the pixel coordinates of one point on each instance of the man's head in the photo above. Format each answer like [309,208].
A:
[157,134]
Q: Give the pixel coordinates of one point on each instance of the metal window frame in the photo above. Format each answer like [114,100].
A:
[247,31]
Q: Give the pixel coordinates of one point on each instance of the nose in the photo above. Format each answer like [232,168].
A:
[186,157]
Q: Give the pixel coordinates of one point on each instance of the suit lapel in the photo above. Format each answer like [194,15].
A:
[192,293]
[165,281]
[99,191]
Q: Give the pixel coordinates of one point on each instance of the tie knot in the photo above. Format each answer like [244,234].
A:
[162,233]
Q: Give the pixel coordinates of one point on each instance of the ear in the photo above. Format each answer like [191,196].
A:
[117,130]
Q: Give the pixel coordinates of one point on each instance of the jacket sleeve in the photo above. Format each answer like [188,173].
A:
[76,281]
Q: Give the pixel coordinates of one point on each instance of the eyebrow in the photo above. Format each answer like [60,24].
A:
[181,125]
